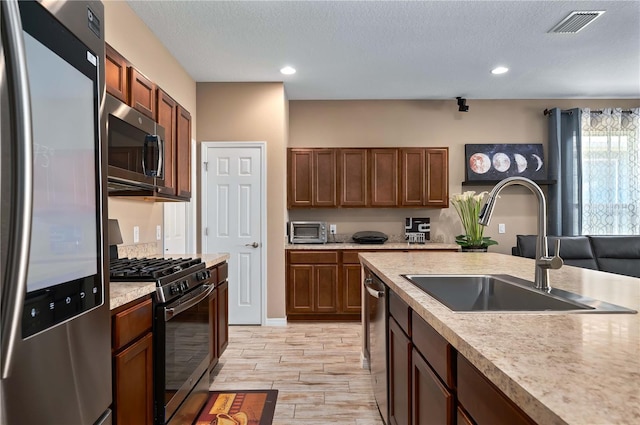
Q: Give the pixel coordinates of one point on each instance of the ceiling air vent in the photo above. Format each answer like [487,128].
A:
[576,21]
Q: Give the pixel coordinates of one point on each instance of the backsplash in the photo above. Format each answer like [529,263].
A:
[150,249]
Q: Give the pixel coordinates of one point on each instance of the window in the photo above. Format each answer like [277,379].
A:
[610,161]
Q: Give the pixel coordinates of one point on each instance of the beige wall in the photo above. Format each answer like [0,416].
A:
[126,33]
[254,112]
[397,123]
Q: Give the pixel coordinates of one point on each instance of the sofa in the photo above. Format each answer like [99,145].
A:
[613,254]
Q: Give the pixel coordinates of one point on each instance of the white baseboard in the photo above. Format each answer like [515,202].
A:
[277,321]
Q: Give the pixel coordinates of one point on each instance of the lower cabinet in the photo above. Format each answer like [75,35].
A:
[431,383]
[218,313]
[132,350]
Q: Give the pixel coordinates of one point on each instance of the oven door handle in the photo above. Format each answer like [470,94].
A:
[171,312]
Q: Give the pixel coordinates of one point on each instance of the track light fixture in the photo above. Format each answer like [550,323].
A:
[462,104]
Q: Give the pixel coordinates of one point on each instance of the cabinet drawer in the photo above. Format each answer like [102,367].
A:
[434,348]
[223,272]
[313,257]
[400,311]
[350,257]
[132,323]
[484,402]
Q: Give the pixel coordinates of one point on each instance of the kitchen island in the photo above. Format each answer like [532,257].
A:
[558,368]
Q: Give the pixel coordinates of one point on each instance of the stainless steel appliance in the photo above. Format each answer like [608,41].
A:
[375,310]
[182,333]
[136,149]
[308,232]
[56,348]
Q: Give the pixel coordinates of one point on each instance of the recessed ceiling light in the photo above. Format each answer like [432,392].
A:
[499,70]
[287,70]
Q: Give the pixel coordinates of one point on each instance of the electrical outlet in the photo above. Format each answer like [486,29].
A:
[502,228]
[333,229]
[136,234]
[158,232]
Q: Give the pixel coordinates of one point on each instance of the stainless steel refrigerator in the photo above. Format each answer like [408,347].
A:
[55,329]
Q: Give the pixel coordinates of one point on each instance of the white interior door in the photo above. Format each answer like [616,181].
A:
[232,220]
[175,228]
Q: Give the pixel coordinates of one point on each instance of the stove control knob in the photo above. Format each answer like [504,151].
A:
[184,285]
[173,289]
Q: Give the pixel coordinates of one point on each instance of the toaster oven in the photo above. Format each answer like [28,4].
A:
[308,232]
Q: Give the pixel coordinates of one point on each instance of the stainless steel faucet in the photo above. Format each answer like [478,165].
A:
[543,261]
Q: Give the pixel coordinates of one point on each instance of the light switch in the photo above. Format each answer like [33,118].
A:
[502,228]
[136,234]
[158,232]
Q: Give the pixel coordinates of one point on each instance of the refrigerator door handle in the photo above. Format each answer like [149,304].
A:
[15,278]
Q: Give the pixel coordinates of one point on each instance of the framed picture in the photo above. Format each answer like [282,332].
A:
[499,161]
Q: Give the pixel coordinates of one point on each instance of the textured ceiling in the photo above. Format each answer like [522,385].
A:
[405,50]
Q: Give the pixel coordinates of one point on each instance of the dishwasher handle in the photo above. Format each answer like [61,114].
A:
[374,292]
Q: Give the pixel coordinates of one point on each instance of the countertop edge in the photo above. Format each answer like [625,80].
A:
[434,246]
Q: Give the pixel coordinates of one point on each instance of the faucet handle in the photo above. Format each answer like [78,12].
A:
[556,261]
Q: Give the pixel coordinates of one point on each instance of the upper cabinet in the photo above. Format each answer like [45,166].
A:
[424,177]
[126,83]
[312,178]
[361,177]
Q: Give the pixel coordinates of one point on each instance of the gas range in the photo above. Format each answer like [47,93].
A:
[173,276]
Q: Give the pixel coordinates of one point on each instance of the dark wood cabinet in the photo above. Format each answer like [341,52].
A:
[384,177]
[380,178]
[129,85]
[483,401]
[183,153]
[223,317]
[312,178]
[213,326]
[432,402]
[424,175]
[351,288]
[400,349]
[115,74]
[132,347]
[218,313]
[353,177]
[312,283]
[166,111]
[142,93]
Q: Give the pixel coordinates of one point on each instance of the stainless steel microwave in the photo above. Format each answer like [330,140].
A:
[135,147]
[308,232]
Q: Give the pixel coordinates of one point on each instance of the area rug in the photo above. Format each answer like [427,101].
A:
[249,407]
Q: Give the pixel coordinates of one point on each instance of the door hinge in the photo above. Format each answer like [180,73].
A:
[206,166]
[206,231]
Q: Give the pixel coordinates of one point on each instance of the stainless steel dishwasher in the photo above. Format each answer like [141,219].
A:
[376,315]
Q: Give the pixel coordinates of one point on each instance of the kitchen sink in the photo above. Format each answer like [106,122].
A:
[505,293]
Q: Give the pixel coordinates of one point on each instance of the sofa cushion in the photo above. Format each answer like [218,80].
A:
[574,250]
[617,254]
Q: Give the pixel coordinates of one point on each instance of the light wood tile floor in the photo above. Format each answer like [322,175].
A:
[315,367]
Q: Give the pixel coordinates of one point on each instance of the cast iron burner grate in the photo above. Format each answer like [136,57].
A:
[148,268]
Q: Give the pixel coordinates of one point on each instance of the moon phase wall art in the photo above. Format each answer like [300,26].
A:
[499,161]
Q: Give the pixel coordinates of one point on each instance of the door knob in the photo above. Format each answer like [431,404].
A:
[252,245]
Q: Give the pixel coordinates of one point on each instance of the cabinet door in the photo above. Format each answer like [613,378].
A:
[351,288]
[142,93]
[214,356]
[437,189]
[133,370]
[300,289]
[353,168]
[384,177]
[166,117]
[399,375]
[432,402]
[115,74]
[324,178]
[300,170]
[183,153]
[412,177]
[325,287]
[223,317]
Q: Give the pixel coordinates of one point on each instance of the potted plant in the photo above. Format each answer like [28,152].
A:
[468,205]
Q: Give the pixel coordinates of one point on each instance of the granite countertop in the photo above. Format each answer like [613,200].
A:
[121,293]
[386,245]
[559,368]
